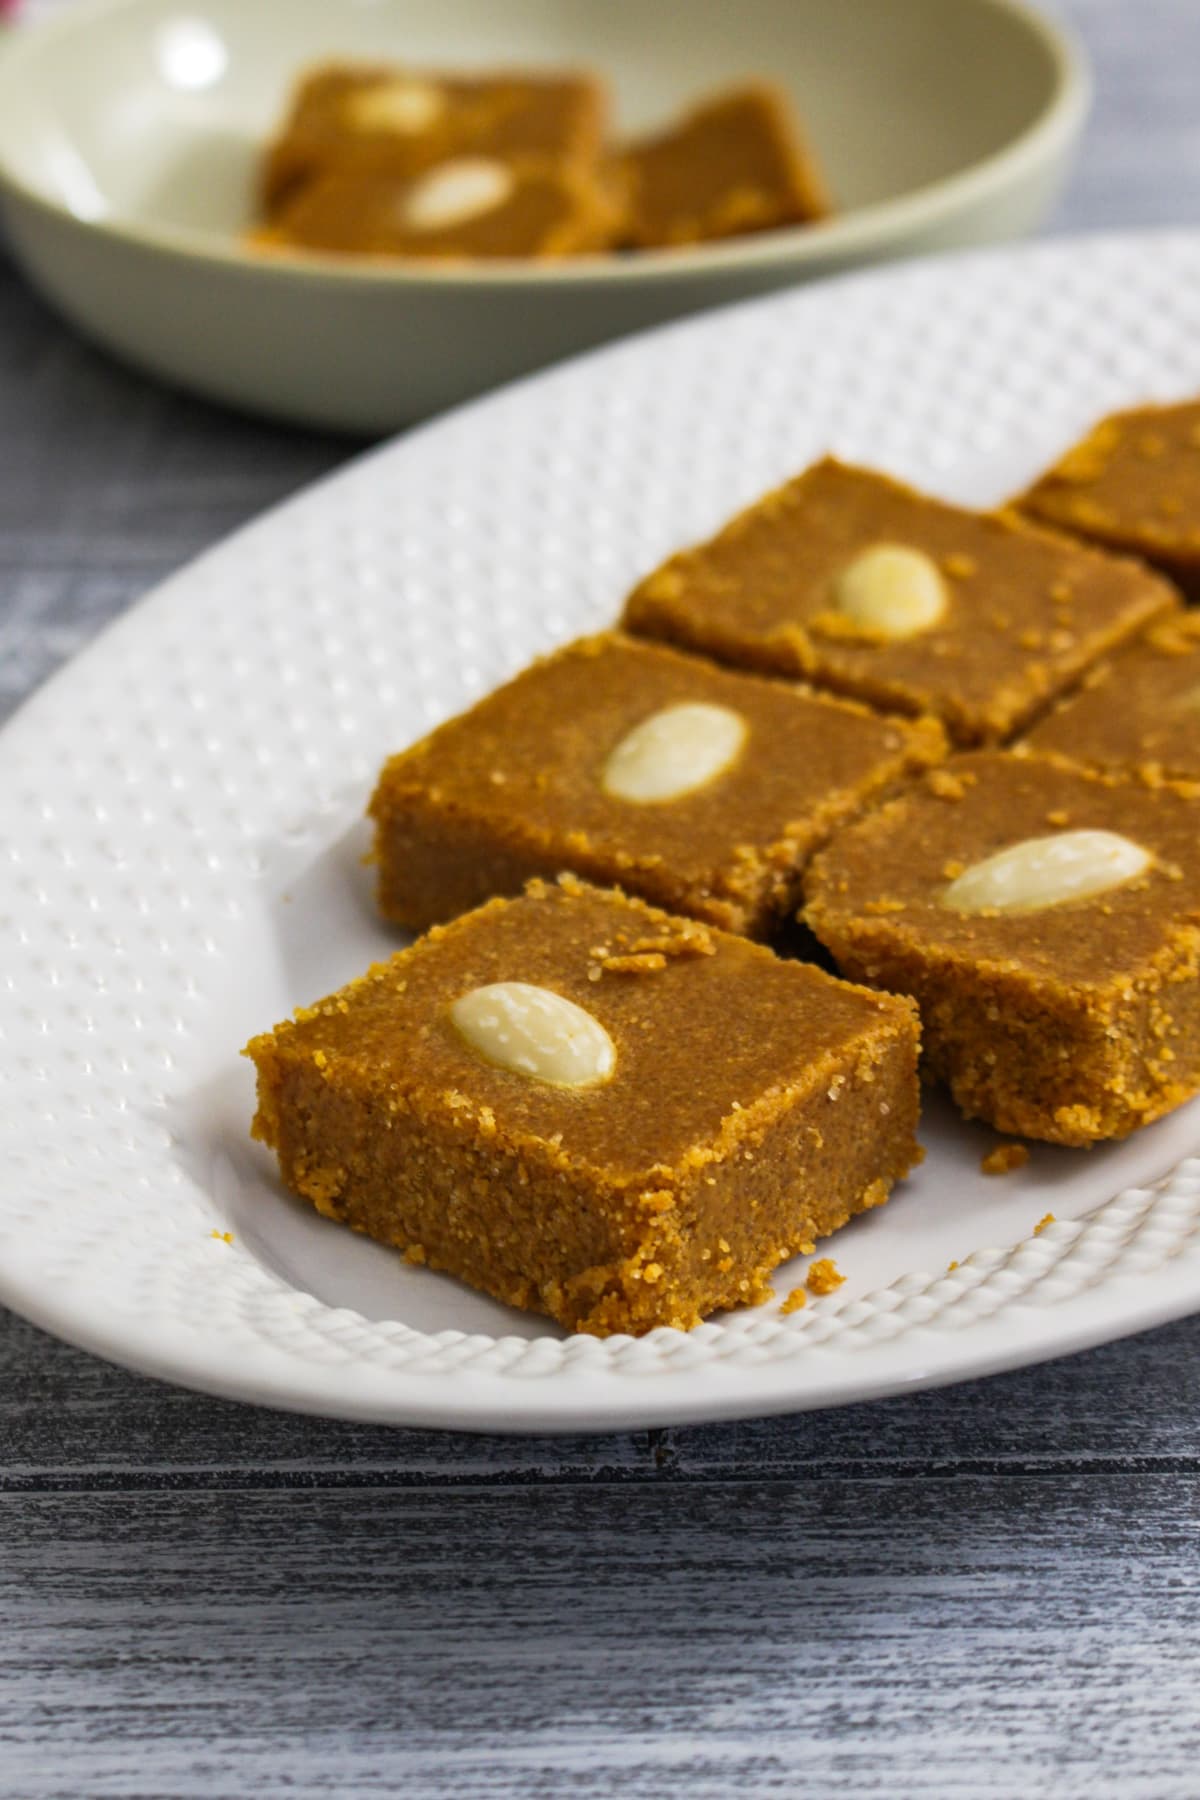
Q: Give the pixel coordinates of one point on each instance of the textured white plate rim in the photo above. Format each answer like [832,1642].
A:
[922,208]
[494,1405]
[638,1383]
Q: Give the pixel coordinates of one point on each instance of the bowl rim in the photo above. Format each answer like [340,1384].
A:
[848,235]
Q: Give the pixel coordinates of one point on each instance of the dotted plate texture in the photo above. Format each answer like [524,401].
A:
[180,866]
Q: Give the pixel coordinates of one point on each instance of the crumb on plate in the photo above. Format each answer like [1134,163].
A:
[1004,1158]
[824,1276]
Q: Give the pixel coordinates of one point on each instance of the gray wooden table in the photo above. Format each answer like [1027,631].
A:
[987,1591]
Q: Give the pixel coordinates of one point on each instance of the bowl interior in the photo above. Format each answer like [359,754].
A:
[145,111]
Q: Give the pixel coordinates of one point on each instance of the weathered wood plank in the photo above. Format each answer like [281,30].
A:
[108,482]
[1140,163]
[68,1420]
[967,1637]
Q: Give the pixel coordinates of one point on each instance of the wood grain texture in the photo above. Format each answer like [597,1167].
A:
[972,1636]
[108,482]
[69,1421]
[982,1591]
[1140,162]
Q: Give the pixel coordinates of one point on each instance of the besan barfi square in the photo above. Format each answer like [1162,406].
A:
[366,119]
[1131,484]
[866,587]
[702,789]
[592,1109]
[735,164]
[1047,922]
[1137,709]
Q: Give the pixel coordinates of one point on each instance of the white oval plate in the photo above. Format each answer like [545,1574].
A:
[179,866]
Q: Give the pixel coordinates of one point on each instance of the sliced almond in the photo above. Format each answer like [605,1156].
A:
[405,107]
[535,1032]
[457,191]
[674,752]
[1045,871]
[891,591]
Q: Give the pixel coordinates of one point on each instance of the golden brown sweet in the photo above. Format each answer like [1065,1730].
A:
[1133,485]
[1047,922]
[743,1107]
[735,164]
[1138,709]
[701,789]
[373,119]
[465,209]
[867,587]
[824,1276]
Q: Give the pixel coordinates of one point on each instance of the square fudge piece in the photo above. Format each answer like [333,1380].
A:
[735,164]
[1139,709]
[869,588]
[1047,922]
[367,119]
[591,1109]
[701,789]
[1133,485]
[468,208]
